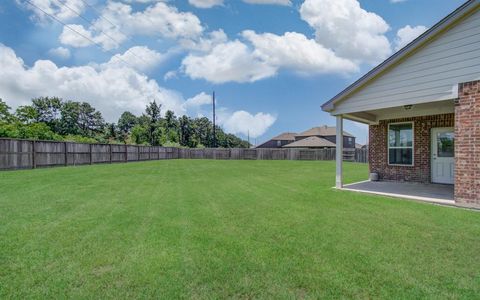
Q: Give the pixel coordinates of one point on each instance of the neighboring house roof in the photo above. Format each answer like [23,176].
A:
[310,142]
[438,28]
[286,136]
[358,146]
[322,131]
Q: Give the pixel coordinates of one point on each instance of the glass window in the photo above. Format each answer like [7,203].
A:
[279,143]
[400,144]
[445,144]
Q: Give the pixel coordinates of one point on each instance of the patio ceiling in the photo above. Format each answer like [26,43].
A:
[372,117]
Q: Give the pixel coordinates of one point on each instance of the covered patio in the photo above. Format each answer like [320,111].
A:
[416,178]
[422,105]
[435,193]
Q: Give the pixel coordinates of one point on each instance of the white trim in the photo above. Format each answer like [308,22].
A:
[339,153]
[413,144]
[363,181]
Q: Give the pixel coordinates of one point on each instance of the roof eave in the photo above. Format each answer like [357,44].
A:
[467,7]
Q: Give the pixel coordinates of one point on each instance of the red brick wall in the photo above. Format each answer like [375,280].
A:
[467,144]
[420,171]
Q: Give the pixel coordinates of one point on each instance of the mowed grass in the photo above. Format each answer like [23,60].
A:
[226,229]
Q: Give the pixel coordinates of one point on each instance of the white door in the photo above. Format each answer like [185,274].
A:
[443,149]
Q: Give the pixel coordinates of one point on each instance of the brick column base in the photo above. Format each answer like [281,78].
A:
[467,144]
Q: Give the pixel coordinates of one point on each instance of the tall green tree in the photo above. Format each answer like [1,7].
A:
[187,132]
[69,120]
[26,114]
[110,132]
[53,119]
[171,127]
[153,112]
[5,115]
[140,134]
[203,131]
[126,122]
[48,111]
[90,121]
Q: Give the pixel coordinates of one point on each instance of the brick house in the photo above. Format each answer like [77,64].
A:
[422,106]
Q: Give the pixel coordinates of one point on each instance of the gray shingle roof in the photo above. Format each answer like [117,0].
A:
[322,131]
[286,136]
[310,142]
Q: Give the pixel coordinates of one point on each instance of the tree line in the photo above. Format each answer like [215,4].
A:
[51,118]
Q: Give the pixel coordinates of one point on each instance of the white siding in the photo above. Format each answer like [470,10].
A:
[431,74]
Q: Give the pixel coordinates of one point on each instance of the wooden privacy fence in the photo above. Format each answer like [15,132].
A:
[28,154]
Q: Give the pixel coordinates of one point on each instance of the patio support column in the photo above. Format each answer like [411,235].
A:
[339,153]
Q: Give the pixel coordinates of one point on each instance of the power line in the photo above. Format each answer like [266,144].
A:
[100,15]
[101,31]
[80,34]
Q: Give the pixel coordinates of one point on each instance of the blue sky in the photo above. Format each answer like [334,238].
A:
[271,65]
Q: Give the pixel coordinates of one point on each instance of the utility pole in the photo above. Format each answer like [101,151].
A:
[214,127]
[248,138]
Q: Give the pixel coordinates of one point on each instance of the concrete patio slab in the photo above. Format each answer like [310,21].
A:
[436,193]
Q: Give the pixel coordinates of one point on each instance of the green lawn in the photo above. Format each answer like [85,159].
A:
[226,229]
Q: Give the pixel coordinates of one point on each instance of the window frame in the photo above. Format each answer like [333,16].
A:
[412,147]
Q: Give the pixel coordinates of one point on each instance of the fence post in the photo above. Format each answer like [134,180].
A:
[110,153]
[66,153]
[34,159]
[126,153]
[138,153]
[91,154]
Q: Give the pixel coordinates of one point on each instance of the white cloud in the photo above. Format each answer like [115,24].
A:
[277,2]
[64,10]
[246,123]
[197,101]
[205,43]
[346,28]
[294,51]
[60,52]
[205,3]
[144,1]
[158,20]
[170,75]
[407,34]
[236,122]
[237,61]
[76,36]
[212,3]
[110,89]
[230,61]
[139,57]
